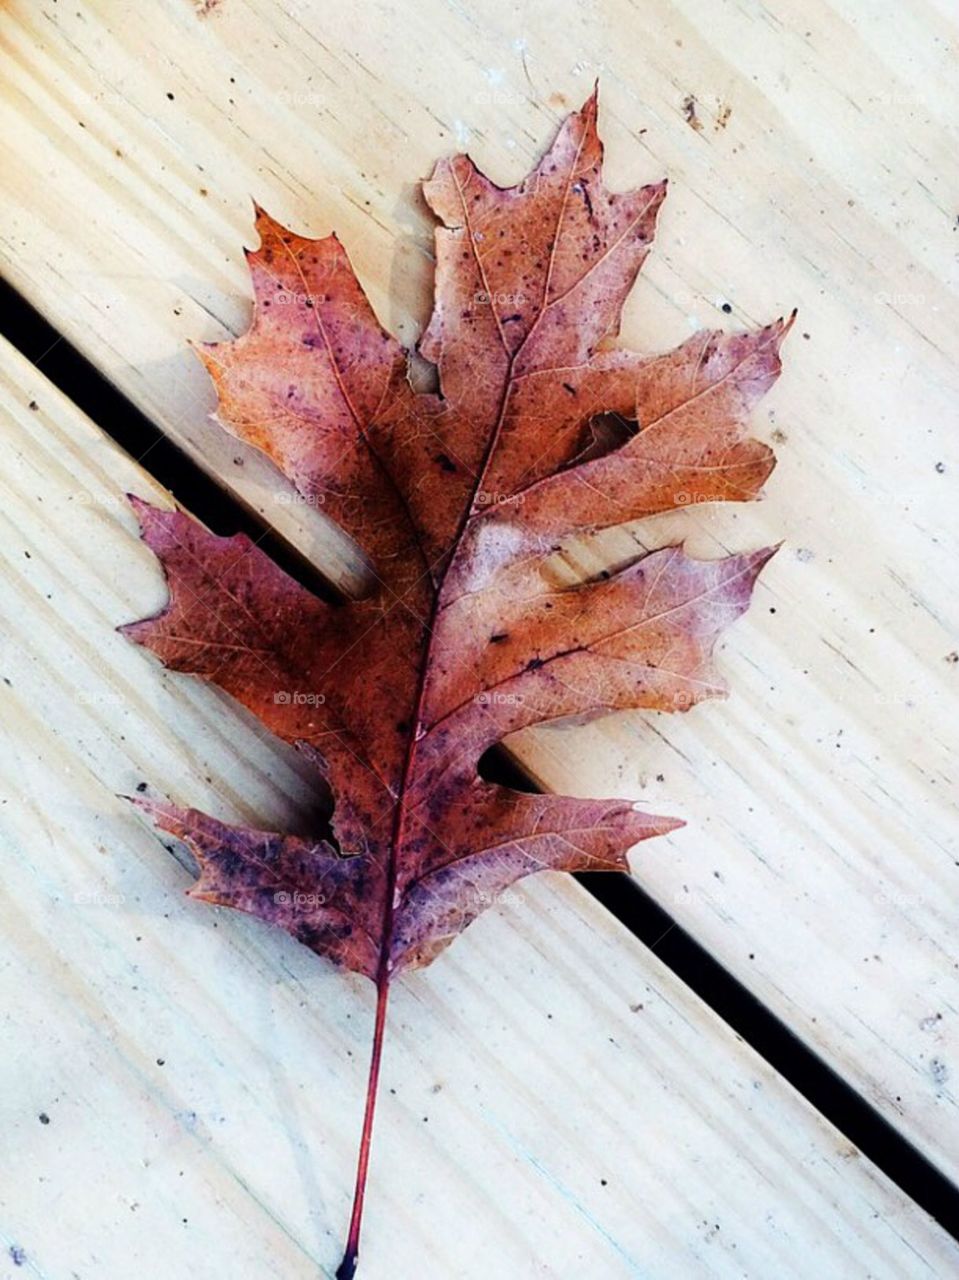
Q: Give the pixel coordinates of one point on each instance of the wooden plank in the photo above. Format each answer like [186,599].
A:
[819,861]
[185,1084]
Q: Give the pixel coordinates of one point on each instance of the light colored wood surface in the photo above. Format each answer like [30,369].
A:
[819,863]
[556,1103]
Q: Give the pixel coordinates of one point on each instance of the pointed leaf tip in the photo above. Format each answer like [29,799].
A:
[666,824]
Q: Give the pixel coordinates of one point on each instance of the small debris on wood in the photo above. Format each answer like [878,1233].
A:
[689,113]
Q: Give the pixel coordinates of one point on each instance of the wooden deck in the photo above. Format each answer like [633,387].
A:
[183,1089]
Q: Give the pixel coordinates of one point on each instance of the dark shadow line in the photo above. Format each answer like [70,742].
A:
[73,374]
[837,1100]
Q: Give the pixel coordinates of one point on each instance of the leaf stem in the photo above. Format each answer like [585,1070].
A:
[347,1268]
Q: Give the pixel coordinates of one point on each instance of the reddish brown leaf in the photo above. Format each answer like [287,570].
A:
[456,498]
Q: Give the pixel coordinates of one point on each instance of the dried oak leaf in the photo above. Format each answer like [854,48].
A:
[456,498]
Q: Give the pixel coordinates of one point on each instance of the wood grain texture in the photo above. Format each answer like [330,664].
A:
[812,158]
[183,1085]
